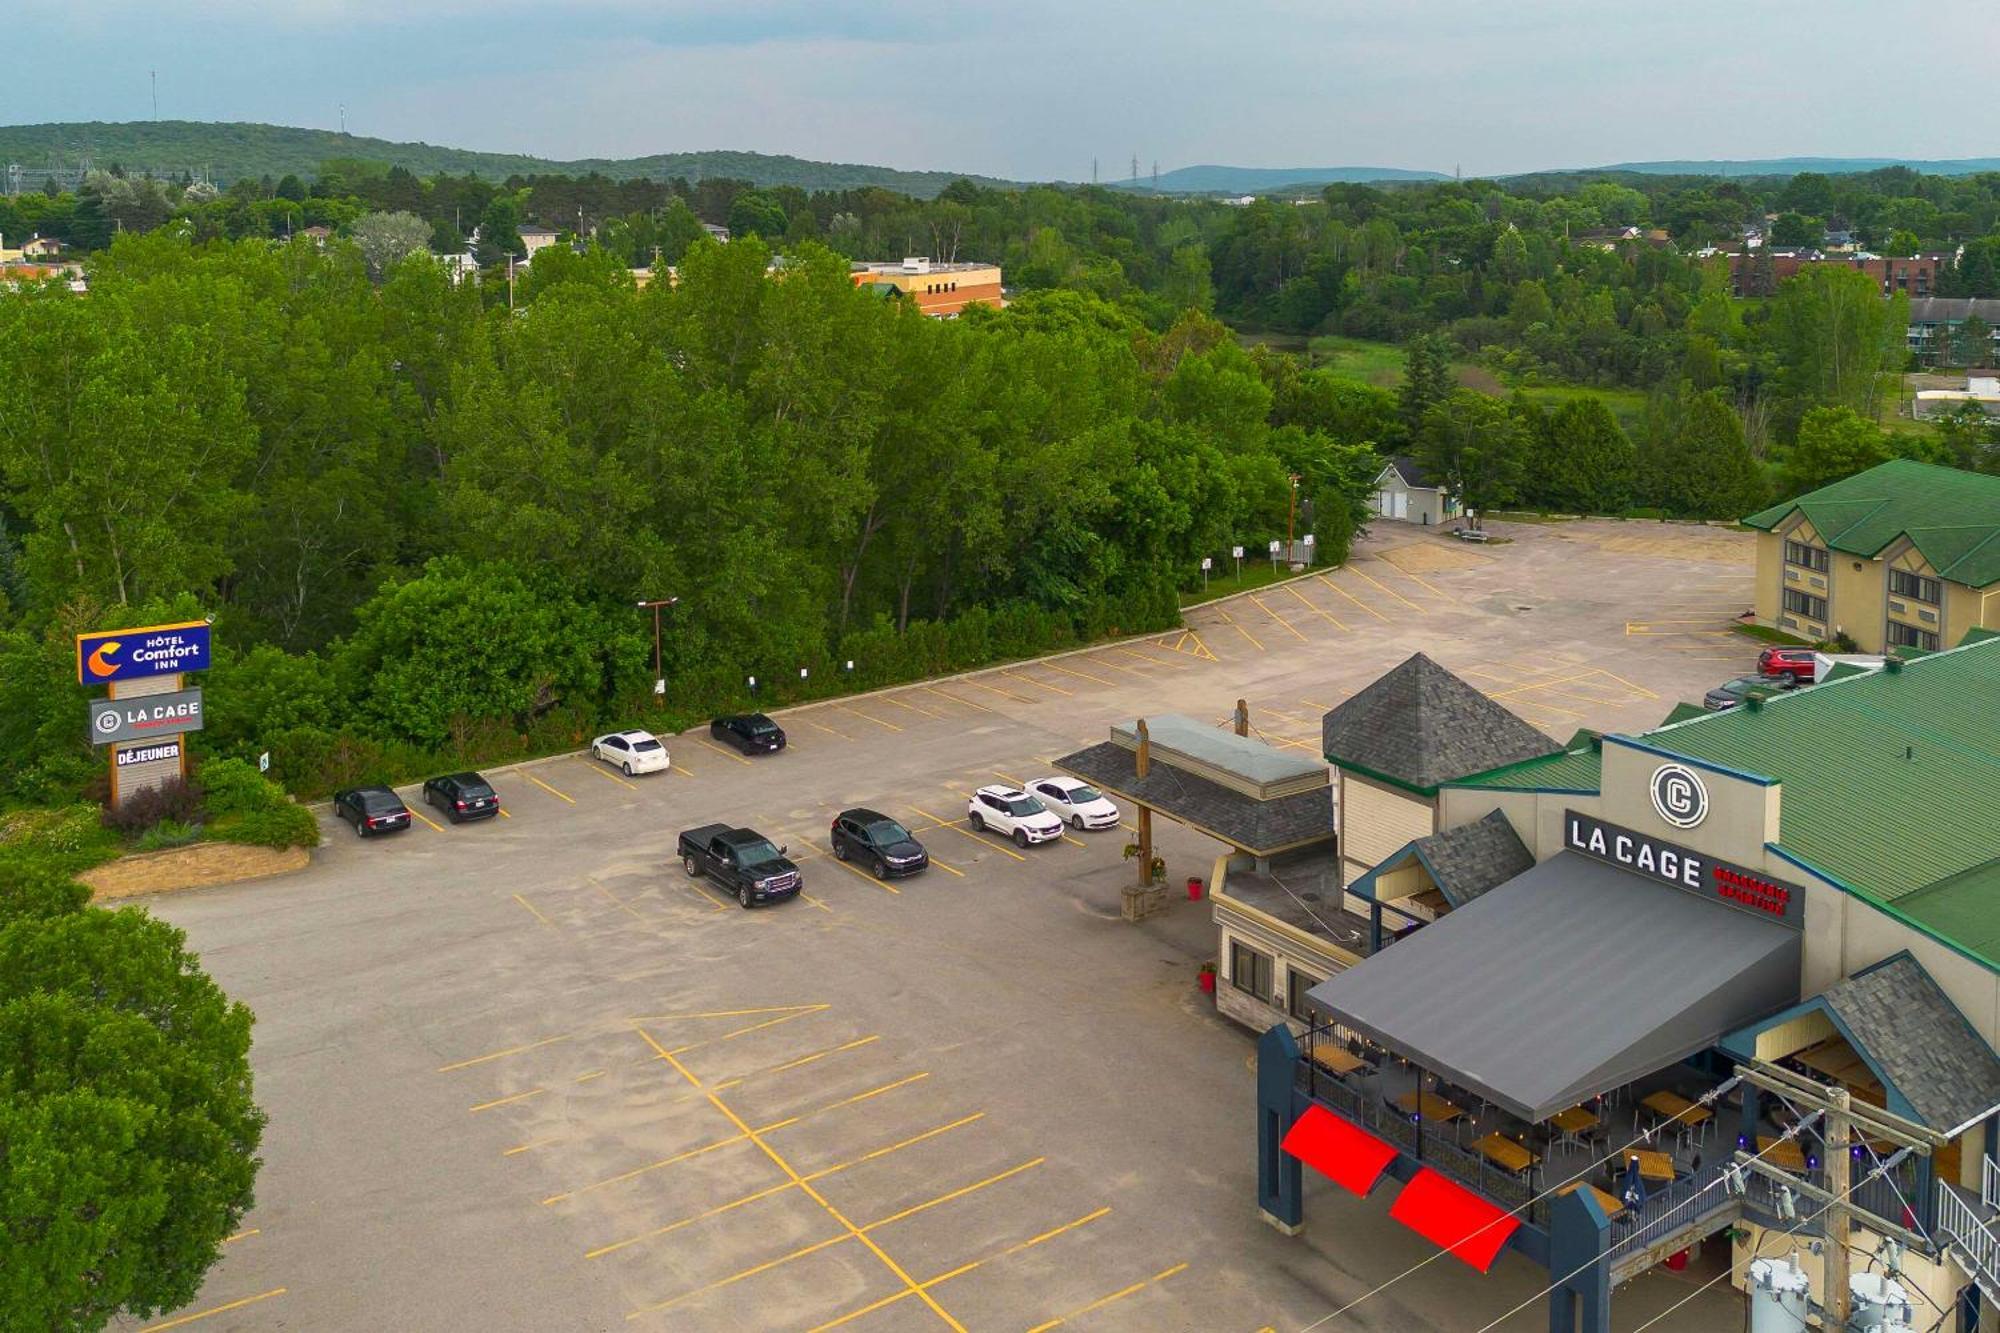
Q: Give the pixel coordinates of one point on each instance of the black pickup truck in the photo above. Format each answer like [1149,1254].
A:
[742,861]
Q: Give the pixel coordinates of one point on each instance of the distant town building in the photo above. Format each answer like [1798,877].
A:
[1980,391]
[716,232]
[1934,323]
[1915,274]
[42,247]
[317,234]
[940,290]
[535,238]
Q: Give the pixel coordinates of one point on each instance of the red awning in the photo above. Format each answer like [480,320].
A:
[1455,1218]
[1338,1149]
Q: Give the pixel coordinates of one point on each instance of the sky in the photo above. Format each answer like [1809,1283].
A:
[1035,89]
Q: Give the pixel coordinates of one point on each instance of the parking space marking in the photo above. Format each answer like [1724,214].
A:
[498,1055]
[750,1272]
[243,1235]
[868,717]
[1359,572]
[504,1101]
[1538,685]
[1314,607]
[813,1058]
[609,776]
[1230,621]
[778,1160]
[995,689]
[1103,1301]
[958,1193]
[726,754]
[629,910]
[892,699]
[565,796]
[819,727]
[816,854]
[955,699]
[1044,684]
[530,1146]
[968,833]
[531,908]
[426,818]
[1352,598]
[1384,557]
[220,1309]
[962,1269]
[505,815]
[1080,675]
[1265,608]
[814,901]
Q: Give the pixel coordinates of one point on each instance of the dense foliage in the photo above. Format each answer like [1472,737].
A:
[128,1135]
[422,520]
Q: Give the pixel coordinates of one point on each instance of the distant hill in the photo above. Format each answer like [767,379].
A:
[231,150]
[1253,180]
[1791,166]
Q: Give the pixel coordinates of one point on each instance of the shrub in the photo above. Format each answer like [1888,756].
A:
[167,833]
[285,825]
[234,787]
[176,800]
[31,888]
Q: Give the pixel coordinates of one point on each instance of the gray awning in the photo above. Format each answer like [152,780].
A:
[1568,980]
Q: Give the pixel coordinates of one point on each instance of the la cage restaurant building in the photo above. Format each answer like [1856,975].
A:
[1806,887]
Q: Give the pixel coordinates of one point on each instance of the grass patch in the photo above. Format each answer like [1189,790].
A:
[1523,516]
[1627,405]
[1256,574]
[1765,634]
[1376,363]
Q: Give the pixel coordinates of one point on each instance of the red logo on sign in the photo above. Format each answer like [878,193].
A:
[1761,894]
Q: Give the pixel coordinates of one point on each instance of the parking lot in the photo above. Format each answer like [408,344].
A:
[525,1074]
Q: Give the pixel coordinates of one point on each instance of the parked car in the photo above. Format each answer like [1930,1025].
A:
[634,751]
[742,861]
[1733,692]
[371,810]
[878,842]
[1469,534]
[1078,804]
[752,733]
[1013,812]
[462,796]
[1795,662]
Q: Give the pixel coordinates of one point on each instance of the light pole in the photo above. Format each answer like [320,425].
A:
[659,677]
[1291,510]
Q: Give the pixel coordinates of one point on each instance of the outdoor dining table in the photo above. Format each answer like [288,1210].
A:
[1673,1106]
[1783,1153]
[1611,1205]
[1573,1124]
[1653,1165]
[1503,1151]
[1430,1106]
[1337,1059]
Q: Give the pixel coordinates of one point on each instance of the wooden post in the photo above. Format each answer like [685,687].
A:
[1242,718]
[1142,768]
[1834,1299]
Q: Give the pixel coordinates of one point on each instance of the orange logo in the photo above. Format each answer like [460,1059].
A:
[98,666]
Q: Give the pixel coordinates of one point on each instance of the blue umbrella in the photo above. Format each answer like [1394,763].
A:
[1633,1192]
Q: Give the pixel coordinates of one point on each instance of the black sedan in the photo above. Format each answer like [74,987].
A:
[371,810]
[462,796]
[878,842]
[1733,692]
[752,733]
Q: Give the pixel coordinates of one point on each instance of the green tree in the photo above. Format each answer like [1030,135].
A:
[1427,379]
[387,238]
[499,231]
[1696,462]
[1476,445]
[1588,461]
[126,1112]
[1832,443]
[1972,340]
[755,213]
[1836,338]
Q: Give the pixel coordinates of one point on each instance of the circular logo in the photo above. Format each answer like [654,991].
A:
[1679,796]
[107,722]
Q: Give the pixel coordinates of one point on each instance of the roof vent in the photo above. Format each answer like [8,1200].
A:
[1754,701]
[1893,665]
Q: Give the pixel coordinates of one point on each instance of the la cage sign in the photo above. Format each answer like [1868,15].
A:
[1683,867]
[148,715]
[134,654]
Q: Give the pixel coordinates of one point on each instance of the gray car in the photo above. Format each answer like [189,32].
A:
[1733,692]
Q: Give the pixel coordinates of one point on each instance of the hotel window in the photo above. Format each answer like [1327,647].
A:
[1249,971]
[1808,557]
[1909,636]
[1297,983]
[1805,604]
[1914,586]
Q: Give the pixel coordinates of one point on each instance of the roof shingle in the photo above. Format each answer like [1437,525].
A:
[1920,1041]
[1421,726]
[1259,827]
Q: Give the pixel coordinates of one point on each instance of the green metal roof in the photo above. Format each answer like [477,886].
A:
[1891,782]
[1952,517]
[1577,770]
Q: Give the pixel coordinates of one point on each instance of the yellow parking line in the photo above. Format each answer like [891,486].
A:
[591,1076]
[505,815]
[1044,684]
[733,1033]
[1636,689]
[1351,597]
[734,1013]
[995,689]
[818,727]
[734,1278]
[727,1084]
[869,717]
[426,818]
[675,766]
[503,1101]
[958,1193]
[726,754]
[878,883]
[531,1145]
[629,910]
[220,1309]
[947,868]
[531,907]
[1230,621]
[955,699]
[967,833]
[1155,661]
[1103,1301]
[547,788]
[1080,675]
[1316,610]
[814,901]
[1361,573]
[892,699]
[496,1055]
[1265,608]
[243,1235]
[609,776]
[1538,685]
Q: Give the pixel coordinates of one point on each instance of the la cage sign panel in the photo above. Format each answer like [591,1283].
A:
[135,654]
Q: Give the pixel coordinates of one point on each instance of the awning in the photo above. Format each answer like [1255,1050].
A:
[1565,981]
[1338,1149]
[1454,1218]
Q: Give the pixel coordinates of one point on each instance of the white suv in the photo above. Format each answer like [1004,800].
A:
[1013,812]
[1079,803]
[633,751]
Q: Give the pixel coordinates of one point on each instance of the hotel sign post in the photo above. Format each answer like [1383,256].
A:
[146,714]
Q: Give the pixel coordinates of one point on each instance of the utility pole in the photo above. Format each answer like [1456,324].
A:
[1839,1220]
[510,279]
[1135,168]
[1141,768]
[1156,175]
[153,76]
[659,676]
[1291,511]
[1242,717]
[1093,171]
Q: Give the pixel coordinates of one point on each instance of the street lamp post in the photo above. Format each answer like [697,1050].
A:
[659,676]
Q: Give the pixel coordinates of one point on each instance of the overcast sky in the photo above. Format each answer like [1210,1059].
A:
[1034,89]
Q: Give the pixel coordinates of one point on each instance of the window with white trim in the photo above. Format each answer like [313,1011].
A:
[1805,604]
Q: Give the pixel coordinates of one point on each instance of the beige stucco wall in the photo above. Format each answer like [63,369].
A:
[1966,607]
[1536,816]
[1770,577]
[1799,529]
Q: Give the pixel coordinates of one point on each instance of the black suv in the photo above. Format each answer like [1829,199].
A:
[878,841]
[371,810]
[462,796]
[752,733]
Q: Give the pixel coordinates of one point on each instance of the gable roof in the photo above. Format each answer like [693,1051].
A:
[1917,746]
[1410,471]
[1419,726]
[1919,1040]
[1952,517]
[1466,861]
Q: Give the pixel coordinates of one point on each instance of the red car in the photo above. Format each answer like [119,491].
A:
[1794,662]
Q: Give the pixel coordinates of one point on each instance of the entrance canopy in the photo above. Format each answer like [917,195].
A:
[1568,980]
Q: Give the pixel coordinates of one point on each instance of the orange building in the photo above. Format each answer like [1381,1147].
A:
[939,290]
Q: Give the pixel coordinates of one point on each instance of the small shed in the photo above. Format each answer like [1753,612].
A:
[1406,493]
